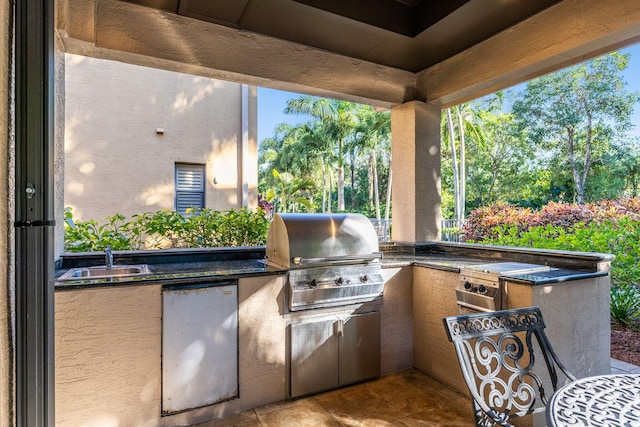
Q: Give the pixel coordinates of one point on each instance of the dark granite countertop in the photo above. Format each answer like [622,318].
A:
[201,265]
[182,272]
[555,275]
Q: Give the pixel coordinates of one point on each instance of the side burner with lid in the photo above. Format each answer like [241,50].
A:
[480,286]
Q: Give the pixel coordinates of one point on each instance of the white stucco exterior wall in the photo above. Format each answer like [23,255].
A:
[117,162]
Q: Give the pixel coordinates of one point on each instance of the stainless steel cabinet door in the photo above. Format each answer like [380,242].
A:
[329,353]
[314,357]
[199,345]
[360,348]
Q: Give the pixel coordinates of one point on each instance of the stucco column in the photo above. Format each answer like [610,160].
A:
[7,208]
[415,154]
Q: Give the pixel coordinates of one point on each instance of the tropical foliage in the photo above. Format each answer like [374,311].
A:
[625,304]
[611,226]
[338,160]
[562,137]
[574,115]
[167,229]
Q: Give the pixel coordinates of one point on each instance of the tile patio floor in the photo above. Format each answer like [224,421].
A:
[407,398]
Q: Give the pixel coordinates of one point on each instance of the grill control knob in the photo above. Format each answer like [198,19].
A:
[482,289]
[339,281]
[467,286]
[313,284]
[364,278]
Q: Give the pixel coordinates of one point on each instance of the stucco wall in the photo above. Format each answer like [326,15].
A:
[116,162]
[6,219]
[108,356]
[109,361]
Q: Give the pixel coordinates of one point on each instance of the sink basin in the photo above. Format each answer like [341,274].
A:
[102,271]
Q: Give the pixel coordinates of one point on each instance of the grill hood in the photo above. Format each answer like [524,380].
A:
[296,240]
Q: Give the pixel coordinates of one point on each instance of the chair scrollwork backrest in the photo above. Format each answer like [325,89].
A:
[496,355]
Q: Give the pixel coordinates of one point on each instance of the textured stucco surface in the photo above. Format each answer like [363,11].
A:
[107,361]
[566,33]
[115,161]
[108,355]
[396,326]
[415,132]
[578,321]
[6,221]
[433,299]
[108,350]
[576,314]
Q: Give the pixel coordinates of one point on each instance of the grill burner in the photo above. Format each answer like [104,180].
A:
[330,286]
[333,259]
[480,286]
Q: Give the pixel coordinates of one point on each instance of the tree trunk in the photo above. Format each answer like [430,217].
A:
[387,208]
[579,185]
[340,177]
[454,164]
[352,166]
[376,196]
[324,186]
[462,177]
[330,191]
[370,186]
[587,156]
[340,189]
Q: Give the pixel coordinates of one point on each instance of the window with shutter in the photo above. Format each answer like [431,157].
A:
[189,187]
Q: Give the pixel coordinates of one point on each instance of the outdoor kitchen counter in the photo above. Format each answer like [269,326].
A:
[186,271]
[182,272]
[553,275]
[452,257]
[108,334]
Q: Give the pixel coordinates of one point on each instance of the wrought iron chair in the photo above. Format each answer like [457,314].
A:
[496,354]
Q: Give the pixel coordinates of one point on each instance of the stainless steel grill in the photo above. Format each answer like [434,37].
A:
[331,286]
[334,290]
[333,259]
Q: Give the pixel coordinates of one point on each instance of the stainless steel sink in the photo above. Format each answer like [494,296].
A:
[102,271]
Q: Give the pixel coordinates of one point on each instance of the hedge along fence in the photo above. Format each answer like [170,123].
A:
[167,229]
[610,226]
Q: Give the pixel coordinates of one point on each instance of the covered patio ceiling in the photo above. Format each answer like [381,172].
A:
[409,35]
[382,52]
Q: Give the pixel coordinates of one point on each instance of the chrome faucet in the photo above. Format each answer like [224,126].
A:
[108,257]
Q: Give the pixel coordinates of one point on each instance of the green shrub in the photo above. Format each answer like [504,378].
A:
[161,229]
[625,304]
[168,229]
[611,226]
[608,227]
[89,236]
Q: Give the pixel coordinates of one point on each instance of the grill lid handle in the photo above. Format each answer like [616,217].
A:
[373,257]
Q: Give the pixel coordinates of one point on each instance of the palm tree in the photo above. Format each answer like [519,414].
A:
[339,120]
[318,155]
[302,151]
[454,164]
[373,134]
[464,125]
[290,192]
